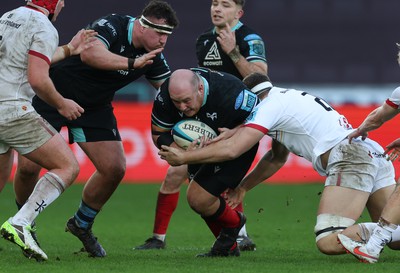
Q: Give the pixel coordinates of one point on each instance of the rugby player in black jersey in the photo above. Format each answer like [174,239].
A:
[127,48]
[219,100]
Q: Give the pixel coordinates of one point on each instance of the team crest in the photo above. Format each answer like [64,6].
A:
[213,53]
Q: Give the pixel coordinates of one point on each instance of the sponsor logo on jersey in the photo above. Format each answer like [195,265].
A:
[212,116]
[10,23]
[104,22]
[217,169]
[123,72]
[257,48]
[246,101]
[160,98]
[213,53]
[122,49]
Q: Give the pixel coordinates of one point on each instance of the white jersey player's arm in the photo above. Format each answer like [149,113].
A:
[228,149]
[270,163]
[375,119]
[81,41]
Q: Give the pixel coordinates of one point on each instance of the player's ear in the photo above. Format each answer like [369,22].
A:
[239,14]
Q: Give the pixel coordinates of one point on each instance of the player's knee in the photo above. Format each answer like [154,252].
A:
[175,177]
[75,170]
[327,226]
[328,245]
[114,171]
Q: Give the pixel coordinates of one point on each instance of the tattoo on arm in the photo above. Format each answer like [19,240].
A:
[234,55]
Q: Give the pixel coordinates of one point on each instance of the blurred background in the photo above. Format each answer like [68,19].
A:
[341,50]
[311,43]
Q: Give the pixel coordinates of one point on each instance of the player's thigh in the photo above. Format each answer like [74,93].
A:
[201,200]
[342,201]
[105,155]
[55,154]
[378,200]
[176,176]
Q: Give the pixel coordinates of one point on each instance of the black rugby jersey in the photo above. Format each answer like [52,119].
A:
[92,87]
[210,54]
[227,102]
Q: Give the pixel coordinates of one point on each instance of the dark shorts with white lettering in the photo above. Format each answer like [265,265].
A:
[215,178]
[95,124]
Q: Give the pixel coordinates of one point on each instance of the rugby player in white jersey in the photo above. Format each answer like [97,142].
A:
[28,45]
[357,174]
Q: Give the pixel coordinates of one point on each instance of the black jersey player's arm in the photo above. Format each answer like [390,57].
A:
[98,56]
[227,40]
[244,66]
[162,136]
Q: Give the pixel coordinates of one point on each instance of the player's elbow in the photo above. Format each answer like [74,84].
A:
[229,153]
[37,83]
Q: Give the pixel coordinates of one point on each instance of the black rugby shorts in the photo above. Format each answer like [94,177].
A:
[215,178]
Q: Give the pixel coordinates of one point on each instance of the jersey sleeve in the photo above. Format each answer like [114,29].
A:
[265,116]
[159,70]
[245,103]
[252,47]
[162,114]
[394,100]
[44,44]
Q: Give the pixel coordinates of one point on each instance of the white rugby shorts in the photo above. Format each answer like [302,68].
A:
[359,165]
[21,129]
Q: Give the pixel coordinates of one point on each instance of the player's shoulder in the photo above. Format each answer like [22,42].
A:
[396,93]
[248,32]
[204,36]
[112,21]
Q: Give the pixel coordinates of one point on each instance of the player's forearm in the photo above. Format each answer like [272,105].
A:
[264,169]
[209,154]
[246,68]
[47,92]
[373,121]
[100,58]
[61,53]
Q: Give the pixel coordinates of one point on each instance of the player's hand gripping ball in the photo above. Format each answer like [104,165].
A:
[187,130]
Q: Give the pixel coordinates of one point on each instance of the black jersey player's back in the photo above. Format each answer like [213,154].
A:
[225,101]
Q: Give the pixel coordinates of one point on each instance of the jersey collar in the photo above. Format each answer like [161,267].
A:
[206,90]
[234,28]
[130,30]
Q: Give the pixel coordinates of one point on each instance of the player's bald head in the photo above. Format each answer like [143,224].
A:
[183,81]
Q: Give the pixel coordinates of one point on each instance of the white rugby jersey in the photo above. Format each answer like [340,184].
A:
[23,31]
[394,100]
[306,125]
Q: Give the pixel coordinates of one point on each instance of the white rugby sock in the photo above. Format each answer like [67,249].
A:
[47,189]
[396,234]
[160,237]
[366,230]
[381,235]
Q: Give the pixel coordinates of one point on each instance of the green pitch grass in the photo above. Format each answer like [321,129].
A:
[281,219]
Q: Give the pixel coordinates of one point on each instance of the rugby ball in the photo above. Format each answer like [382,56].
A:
[187,130]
